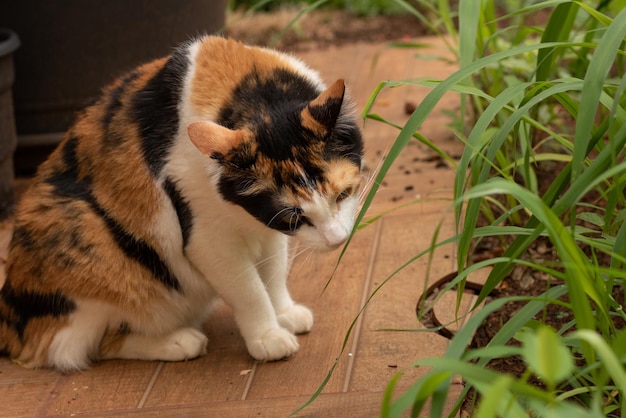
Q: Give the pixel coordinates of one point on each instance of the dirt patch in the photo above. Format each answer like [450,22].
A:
[319,29]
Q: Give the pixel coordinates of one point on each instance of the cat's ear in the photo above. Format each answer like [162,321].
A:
[321,114]
[211,138]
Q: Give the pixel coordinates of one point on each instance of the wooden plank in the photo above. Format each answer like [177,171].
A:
[334,311]
[23,399]
[107,385]
[217,376]
[422,192]
[381,354]
[330,405]
[363,405]
[12,373]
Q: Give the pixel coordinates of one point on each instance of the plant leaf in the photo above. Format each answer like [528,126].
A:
[547,356]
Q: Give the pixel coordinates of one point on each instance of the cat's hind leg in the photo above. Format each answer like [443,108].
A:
[74,346]
[89,336]
[182,344]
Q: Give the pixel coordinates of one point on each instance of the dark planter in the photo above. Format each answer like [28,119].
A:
[73,48]
[9,42]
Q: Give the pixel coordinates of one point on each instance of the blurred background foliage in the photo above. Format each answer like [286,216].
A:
[359,7]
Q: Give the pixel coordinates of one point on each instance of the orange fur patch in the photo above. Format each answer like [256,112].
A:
[341,175]
[222,64]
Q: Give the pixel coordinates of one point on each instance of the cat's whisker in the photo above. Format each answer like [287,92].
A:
[258,264]
[273,256]
[366,188]
[305,249]
[371,178]
[265,260]
[309,252]
[293,224]
[280,212]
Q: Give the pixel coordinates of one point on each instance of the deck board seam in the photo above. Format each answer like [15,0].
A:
[56,390]
[364,296]
[150,386]
[250,377]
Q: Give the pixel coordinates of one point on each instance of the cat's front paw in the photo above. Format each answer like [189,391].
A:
[298,319]
[184,344]
[275,344]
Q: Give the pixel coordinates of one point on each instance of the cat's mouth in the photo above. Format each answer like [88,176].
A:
[329,248]
[322,244]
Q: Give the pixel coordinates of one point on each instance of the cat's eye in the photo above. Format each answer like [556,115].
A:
[344,195]
[304,220]
[295,218]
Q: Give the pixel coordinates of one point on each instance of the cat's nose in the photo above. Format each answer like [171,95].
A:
[334,235]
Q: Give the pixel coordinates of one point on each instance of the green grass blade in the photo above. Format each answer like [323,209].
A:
[567,200]
[612,363]
[469,16]
[599,66]
[557,30]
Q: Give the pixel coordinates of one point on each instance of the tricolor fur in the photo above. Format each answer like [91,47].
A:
[178,186]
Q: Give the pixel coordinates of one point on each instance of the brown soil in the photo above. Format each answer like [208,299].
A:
[319,28]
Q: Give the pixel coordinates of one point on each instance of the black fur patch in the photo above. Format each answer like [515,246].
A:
[346,142]
[327,113]
[114,98]
[140,251]
[263,207]
[23,238]
[67,185]
[271,108]
[155,107]
[27,306]
[183,210]
[124,329]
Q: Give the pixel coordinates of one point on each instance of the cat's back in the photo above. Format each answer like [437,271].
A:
[135,121]
[99,194]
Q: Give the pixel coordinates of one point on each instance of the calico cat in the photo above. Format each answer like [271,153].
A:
[179,185]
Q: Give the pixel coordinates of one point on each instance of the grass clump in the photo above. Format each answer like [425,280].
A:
[531,93]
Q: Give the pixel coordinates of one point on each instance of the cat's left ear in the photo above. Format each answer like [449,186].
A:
[213,139]
[321,114]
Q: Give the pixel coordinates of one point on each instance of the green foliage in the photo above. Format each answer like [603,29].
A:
[532,93]
[550,91]
[546,355]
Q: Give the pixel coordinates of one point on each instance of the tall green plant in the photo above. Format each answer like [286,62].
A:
[566,104]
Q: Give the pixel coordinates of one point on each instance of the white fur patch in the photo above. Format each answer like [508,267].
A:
[332,223]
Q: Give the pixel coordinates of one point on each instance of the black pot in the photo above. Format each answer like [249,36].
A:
[73,48]
[9,42]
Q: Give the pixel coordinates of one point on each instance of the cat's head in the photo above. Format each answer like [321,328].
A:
[297,171]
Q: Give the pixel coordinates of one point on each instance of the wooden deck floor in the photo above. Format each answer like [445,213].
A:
[227,382]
